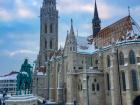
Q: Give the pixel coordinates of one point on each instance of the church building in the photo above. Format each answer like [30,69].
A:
[100,69]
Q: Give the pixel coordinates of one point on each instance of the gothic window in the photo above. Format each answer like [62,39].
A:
[70,48]
[73,48]
[93,87]
[123,81]
[45,44]
[108,61]
[108,81]
[51,28]
[121,58]
[98,87]
[45,28]
[134,80]
[132,59]
[51,44]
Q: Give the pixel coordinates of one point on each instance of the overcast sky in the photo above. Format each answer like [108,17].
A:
[20,25]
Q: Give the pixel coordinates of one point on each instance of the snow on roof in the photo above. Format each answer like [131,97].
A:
[84,47]
[9,77]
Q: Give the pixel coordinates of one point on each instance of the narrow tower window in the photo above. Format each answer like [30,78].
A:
[45,28]
[98,87]
[123,81]
[45,44]
[108,81]
[121,58]
[51,28]
[132,59]
[51,44]
[93,87]
[134,80]
[108,61]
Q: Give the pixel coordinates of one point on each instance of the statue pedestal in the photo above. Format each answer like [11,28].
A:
[22,100]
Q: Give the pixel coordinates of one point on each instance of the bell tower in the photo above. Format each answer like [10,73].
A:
[48,31]
[96,22]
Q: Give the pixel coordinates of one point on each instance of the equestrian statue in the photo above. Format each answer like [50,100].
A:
[24,79]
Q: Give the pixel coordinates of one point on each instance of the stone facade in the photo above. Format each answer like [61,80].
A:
[94,73]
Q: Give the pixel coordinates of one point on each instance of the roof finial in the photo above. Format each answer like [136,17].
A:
[129,11]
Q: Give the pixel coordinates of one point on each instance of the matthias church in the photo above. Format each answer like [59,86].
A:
[100,69]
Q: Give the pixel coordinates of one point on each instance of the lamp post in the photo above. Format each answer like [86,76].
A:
[87,91]
[117,54]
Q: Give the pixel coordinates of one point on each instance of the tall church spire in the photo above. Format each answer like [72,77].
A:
[71,30]
[96,12]
[96,22]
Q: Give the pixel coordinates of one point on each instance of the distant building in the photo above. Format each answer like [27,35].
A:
[8,83]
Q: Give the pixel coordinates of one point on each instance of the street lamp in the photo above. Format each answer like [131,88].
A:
[87,90]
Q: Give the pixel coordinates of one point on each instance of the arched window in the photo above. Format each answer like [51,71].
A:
[108,81]
[132,58]
[45,44]
[70,48]
[108,61]
[134,80]
[51,44]
[98,87]
[73,48]
[45,28]
[123,81]
[51,28]
[93,87]
[121,58]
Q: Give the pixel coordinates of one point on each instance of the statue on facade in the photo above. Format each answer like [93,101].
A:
[24,79]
